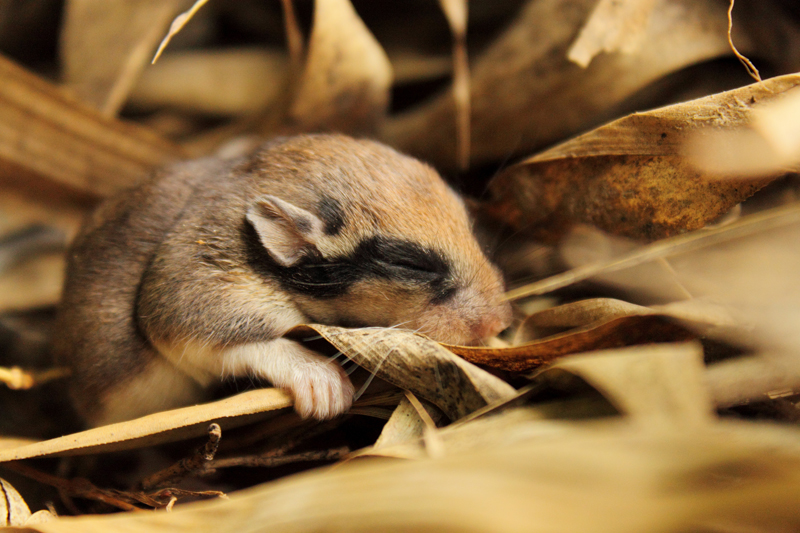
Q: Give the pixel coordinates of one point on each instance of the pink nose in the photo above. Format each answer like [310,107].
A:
[491,325]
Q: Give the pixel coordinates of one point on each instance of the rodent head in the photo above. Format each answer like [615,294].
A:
[362,235]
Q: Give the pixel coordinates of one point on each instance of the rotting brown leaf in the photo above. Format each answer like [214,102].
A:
[166,426]
[526,93]
[347,76]
[415,363]
[45,135]
[106,45]
[629,177]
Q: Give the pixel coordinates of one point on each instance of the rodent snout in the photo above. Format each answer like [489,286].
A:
[492,324]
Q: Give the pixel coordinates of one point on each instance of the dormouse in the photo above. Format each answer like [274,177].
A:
[195,275]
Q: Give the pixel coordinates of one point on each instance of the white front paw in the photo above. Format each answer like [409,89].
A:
[320,387]
[321,390]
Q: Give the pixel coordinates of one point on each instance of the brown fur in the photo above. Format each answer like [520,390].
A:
[163,267]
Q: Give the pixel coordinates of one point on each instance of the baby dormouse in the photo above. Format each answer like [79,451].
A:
[195,275]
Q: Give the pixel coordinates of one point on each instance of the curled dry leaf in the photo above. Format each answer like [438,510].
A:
[621,477]
[612,333]
[614,26]
[347,76]
[415,363]
[526,93]
[13,509]
[406,424]
[629,177]
[46,135]
[167,426]
[599,324]
[106,45]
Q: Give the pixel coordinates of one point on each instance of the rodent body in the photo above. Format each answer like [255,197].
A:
[196,274]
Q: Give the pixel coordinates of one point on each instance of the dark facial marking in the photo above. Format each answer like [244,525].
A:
[375,258]
[330,212]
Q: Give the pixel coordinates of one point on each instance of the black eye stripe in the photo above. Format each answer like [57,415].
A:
[375,258]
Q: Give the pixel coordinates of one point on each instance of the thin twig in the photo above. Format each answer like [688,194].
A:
[751,68]
[272,459]
[18,379]
[78,487]
[188,465]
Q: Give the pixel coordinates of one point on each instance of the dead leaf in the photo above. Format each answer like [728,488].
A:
[765,142]
[614,333]
[406,424]
[177,25]
[753,224]
[613,26]
[456,13]
[652,385]
[105,46]
[13,509]
[526,93]
[415,363]
[629,177]
[45,135]
[158,428]
[621,477]
[345,85]
[216,82]
[34,283]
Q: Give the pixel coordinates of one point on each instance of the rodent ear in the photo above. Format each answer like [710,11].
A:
[287,232]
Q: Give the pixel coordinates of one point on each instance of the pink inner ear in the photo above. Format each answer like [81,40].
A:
[285,230]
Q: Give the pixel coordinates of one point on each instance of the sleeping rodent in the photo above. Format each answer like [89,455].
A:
[195,275]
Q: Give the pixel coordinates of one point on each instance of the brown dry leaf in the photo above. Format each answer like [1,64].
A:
[590,477]
[177,25]
[13,509]
[33,283]
[629,177]
[415,363]
[158,428]
[232,81]
[600,324]
[106,45]
[767,143]
[45,135]
[602,263]
[526,93]
[456,13]
[346,81]
[652,385]
[405,424]
[614,26]
[613,333]
[22,206]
